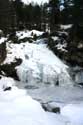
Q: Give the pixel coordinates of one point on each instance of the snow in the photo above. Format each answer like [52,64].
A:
[59,95]
[16,107]
[65,27]
[28,34]
[54,38]
[41,65]
[58,119]
[62,47]
[5,82]
[74,112]
[35,1]
[2,40]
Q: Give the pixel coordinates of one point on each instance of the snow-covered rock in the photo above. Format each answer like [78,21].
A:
[2,40]
[6,82]
[27,33]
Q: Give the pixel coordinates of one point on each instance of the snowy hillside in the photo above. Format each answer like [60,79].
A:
[39,64]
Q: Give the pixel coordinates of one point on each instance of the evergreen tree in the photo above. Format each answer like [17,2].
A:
[54,13]
[78,11]
[44,16]
[6,15]
[19,6]
[37,16]
[67,12]
[77,14]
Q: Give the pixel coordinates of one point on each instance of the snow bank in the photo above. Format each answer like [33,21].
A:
[74,112]
[17,108]
[6,82]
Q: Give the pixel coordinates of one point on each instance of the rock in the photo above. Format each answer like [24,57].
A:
[9,69]
[49,108]
[7,89]
[56,110]
[44,107]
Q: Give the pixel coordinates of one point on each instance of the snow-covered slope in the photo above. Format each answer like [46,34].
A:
[18,108]
[39,64]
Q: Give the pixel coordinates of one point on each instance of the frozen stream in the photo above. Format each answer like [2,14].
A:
[59,95]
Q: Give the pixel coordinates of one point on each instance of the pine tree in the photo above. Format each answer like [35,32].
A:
[78,11]
[19,7]
[77,15]
[67,12]
[7,15]
[54,13]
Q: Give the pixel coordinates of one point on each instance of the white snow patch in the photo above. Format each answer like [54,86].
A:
[6,82]
[2,40]
[27,33]
[62,47]
[74,112]
[65,27]
[54,38]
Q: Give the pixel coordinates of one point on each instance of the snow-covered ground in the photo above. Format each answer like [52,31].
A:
[39,73]
[16,107]
[74,112]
